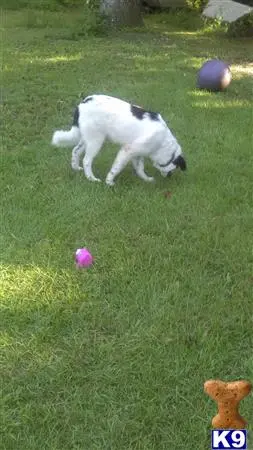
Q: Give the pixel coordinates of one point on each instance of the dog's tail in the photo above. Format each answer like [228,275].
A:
[68,138]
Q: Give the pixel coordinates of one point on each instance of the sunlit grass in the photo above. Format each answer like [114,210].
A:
[21,286]
[241,70]
[52,59]
[220,104]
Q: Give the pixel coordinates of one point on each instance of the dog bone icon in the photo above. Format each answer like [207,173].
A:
[228,397]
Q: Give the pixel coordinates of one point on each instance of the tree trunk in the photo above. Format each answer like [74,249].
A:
[122,12]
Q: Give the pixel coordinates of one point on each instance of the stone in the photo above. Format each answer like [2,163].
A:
[227,10]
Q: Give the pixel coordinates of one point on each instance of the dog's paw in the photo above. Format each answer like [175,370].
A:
[150,179]
[76,168]
[109,182]
[94,179]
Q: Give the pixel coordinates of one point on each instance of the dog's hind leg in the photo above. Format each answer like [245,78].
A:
[76,154]
[92,149]
[138,164]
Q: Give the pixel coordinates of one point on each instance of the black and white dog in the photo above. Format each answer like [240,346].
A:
[140,133]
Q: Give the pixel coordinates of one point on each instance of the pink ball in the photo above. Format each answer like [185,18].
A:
[83,257]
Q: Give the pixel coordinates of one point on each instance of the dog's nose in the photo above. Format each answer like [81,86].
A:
[180,162]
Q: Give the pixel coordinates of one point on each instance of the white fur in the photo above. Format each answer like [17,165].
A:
[66,138]
[101,117]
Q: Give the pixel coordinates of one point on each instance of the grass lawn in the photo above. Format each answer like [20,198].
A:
[115,357]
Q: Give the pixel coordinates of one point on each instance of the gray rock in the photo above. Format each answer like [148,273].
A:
[227,10]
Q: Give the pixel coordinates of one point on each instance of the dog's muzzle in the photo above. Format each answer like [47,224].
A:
[180,162]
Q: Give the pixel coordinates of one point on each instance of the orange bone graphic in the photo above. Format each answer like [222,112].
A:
[228,397]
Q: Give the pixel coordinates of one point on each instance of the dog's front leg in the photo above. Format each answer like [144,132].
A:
[138,164]
[121,160]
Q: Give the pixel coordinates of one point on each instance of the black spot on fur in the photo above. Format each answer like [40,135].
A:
[87,99]
[139,113]
[180,162]
[76,118]
[153,115]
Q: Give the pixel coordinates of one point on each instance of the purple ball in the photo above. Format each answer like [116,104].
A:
[214,75]
[83,258]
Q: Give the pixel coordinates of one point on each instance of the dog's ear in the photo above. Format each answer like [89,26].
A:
[180,162]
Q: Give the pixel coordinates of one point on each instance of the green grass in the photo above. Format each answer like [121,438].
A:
[115,357]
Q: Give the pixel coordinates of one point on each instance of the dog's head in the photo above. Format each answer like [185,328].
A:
[169,158]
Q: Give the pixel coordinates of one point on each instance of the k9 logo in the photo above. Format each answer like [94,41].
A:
[229,439]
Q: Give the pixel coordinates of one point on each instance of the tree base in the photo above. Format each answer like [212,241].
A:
[122,12]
